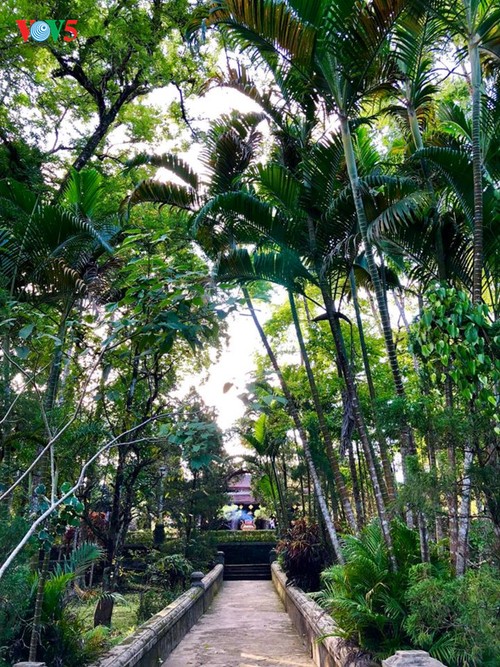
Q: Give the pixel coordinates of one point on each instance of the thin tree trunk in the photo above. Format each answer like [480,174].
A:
[37,617]
[477,166]
[451,494]
[360,423]
[384,452]
[355,487]
[325,432]
[464,516]
[56,364]
[330,527]
[407,445]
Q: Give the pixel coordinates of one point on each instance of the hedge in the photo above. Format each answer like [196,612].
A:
[225,536]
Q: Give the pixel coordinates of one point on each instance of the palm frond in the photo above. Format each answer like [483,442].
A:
[165,194]
[166,161]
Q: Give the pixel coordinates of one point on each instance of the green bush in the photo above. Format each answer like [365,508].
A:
[15,590]
[173,546]
[141,537]
[154,600]
[229,536]
[66,643]
[170,572]
[365,598]
[455,619]
[421,606]
[201,551]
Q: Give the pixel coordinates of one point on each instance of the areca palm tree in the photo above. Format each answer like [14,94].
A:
[49,256]
[476,22]
[230,150]
[286,214]
[50,251]
[337,55]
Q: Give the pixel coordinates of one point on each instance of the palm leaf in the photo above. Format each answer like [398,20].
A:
[167,161]
[165,194]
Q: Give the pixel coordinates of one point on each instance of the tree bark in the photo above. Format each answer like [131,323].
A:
[37,617]
[331,453]
[360,423]
[292,408]
[477,166]
[384,452]
[464,516]
[407,445]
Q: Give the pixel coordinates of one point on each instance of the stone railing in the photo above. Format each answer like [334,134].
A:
[153,641]
[316,628]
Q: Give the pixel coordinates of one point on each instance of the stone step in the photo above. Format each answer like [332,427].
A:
[247,571]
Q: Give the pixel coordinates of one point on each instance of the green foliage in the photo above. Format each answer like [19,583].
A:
[140,537]
[14,587]
[456,340]
[170,572]
[154,600]
[230,536]
[62,632]
[456,619]
[422,606]
[302,555]
[67,642]
[365,597]
[201,550]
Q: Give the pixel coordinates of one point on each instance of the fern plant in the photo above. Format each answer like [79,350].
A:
[63,636]
[365,597]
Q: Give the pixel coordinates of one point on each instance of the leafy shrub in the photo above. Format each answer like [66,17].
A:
[169,572]
[66,643]
[172,546]
[14,590]
[421,606]
[455,619]
[365,598]
[142,537]
[63,636]
[201,551]
[301,553]
[152,601]
[225,536]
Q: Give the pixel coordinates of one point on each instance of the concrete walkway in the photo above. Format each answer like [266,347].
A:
[246,626]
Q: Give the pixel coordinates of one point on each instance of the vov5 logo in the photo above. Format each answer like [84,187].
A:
[40,31]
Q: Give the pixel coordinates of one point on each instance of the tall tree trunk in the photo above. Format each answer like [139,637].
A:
[281,496]
[360,422]
[358,501]
[407,445]
[477,161]
[325,432]
[292,408]
[384,452]
[451,494]
[37,617]
[56,363]
[464,516]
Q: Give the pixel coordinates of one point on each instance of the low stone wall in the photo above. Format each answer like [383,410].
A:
[153,641]
[316,628]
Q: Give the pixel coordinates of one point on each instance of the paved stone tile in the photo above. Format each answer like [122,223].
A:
[246,626]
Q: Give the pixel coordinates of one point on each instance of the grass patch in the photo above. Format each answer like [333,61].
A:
[123,622]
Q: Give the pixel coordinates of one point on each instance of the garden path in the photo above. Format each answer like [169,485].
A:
[246,626]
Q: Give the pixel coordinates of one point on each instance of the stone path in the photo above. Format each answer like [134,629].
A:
[246,626]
